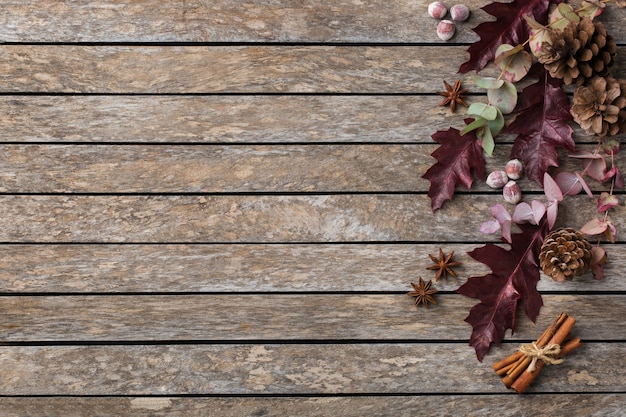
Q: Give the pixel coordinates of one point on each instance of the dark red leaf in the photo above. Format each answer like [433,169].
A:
[542,125]
[513,280]
[510,27]
[456,158]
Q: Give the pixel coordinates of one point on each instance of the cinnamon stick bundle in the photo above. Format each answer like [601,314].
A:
[522,367]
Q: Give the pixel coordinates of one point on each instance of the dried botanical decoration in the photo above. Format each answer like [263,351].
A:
[600,107]
[578,52]
[423,293]
[565,253]
[453,95]
[443,265]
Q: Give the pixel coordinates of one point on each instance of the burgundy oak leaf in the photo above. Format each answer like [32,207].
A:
[541,124]
[510,28]
[512,281]
[456,158]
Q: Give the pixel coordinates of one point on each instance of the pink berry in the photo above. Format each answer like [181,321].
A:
[459,12]
[514,169]
[437,10]
[497,179]
[446,30]
[511,193]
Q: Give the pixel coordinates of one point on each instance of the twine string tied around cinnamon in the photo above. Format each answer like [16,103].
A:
[547,354]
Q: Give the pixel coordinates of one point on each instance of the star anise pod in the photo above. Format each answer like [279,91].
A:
[453,95]
[423,293]
[443,265]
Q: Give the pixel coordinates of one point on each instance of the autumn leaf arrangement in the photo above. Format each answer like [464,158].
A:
[563,55]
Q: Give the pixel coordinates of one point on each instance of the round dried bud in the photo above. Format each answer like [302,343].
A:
[511,192]
[497,179]
[446,29]
[514,169]
[437,10]
[459,12]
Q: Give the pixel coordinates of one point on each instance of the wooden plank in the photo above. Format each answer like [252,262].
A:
[291,369]
[68,268]
[223,119]
[280,317]
[233,69]
[257,218]
[229,119]
[593,405]
[232,169]
[237,21]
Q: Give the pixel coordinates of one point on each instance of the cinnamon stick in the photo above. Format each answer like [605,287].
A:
[525,378]
[522,361]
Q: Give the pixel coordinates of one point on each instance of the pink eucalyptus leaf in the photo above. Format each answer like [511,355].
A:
[606,202]
[552,210]
[619,180]
[500,213]
[610,146]
[615,173]
[593,163]
[598,258]
[568,183]
[523,214]
[611,232]
[539,209]
[490,226]
[551,188]
[594,227]
[583,183]
[506,231]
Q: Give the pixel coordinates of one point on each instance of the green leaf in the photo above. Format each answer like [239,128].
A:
[561,17]
[514,62]
[591,9]
[497,124]
[487,82]
[486,111]
[476,124]
[487,140]
[568,12]
[504,98]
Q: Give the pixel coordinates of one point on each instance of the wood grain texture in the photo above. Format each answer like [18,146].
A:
[223,119]
[233,69]
[235,169]
[294,268]
[289,317]
[290,369]
[256,219]
[257,119]
[555,405]
[237,21]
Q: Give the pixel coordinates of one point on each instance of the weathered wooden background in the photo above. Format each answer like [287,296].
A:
[216,208]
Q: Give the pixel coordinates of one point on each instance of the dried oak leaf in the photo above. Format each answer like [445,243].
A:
[513,281]
[456,158]
[509,27]
[541,123]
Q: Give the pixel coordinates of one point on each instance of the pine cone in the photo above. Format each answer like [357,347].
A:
[600,107]
[578,52]
[565,253]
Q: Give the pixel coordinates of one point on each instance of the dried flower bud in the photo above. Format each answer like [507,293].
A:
[459,12]
[514,169]
[511,193]
[437,10]
[446,30]
[497,179]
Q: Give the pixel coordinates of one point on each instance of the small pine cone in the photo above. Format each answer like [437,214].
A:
[578,52]
[600,107]
[565,253]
